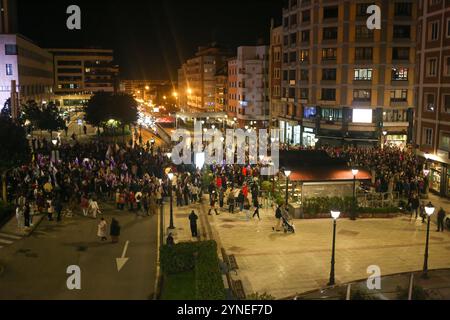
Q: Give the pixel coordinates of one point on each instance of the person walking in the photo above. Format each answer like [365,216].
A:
[231,201]
[58,208]
[94,209]
[20,217]
[213,205]
[50,209]
[422,211]
[440,220]
[27,215]
[114,231]
[415,204]
[169,240]
[193,223]
[101,229]
[256,204]
[84,204]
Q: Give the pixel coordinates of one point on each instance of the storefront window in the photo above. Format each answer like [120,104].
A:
[435,172]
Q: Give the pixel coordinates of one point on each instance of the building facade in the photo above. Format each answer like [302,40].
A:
[276,36]
[221,93]
[197,81]
[79,73]
[432,131]
[29,66]
[248,86]
[343,83]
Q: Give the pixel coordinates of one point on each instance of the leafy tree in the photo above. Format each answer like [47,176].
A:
[124,109]
[32,112]
[44,117]
[50,119]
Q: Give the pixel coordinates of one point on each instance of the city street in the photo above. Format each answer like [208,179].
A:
[35,267]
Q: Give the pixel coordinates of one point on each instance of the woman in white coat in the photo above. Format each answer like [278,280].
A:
[101,229]
[94,209]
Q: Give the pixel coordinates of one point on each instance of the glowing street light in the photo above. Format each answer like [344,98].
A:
[287,173]
[335,215]
[429,210]
[354,173]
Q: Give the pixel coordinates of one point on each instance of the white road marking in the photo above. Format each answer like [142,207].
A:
[10,236]
[6,241]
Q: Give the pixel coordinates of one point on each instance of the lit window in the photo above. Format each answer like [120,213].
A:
[9,70]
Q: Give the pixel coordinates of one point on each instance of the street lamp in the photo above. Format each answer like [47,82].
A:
[354,173]
[170,176]
[335,215]
[287,173]
[429,210]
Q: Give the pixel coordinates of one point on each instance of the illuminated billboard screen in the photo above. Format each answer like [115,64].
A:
[362,115]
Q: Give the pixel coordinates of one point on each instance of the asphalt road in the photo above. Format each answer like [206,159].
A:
[36,267]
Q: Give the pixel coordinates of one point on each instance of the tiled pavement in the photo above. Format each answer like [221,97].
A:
[286,264]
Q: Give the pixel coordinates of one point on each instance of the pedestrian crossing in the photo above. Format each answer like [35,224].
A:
[7,239]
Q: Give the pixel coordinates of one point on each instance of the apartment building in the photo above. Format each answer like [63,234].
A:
[81,72]
[28,66]
[248,86]
[343,83]
[197,78]
[276,36]
[432,131]
[221,93]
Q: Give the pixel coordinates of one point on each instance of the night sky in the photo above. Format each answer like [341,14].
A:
[151,38]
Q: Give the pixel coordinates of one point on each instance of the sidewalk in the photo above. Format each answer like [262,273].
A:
[11,227]
[182,232]
[287,264]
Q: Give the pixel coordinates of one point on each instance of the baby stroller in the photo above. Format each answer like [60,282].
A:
[288,227]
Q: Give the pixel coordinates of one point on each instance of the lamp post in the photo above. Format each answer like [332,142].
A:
[429,210]
[170,176]
[287,173]
[335,215]
[353,215]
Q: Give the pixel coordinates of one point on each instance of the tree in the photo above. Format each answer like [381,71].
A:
[43,117]
[50,119]
[124,108]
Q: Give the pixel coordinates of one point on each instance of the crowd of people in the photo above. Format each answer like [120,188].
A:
[135,178]
[393,169]
[77,176]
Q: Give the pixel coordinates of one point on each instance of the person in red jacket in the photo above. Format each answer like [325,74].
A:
[219,182]
[245,190]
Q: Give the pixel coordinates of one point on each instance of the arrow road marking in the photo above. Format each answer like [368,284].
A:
[122,260]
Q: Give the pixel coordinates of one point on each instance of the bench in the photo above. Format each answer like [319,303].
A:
[230,261]
[238,290]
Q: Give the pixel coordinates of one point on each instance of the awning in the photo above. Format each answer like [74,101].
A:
[323,174]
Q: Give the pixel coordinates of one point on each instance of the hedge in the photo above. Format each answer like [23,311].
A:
[200,257]
[209,283]
[326,204]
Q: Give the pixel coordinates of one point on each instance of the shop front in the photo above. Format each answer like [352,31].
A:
[398,140]
[309,137]
[290,133]
[438,173]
